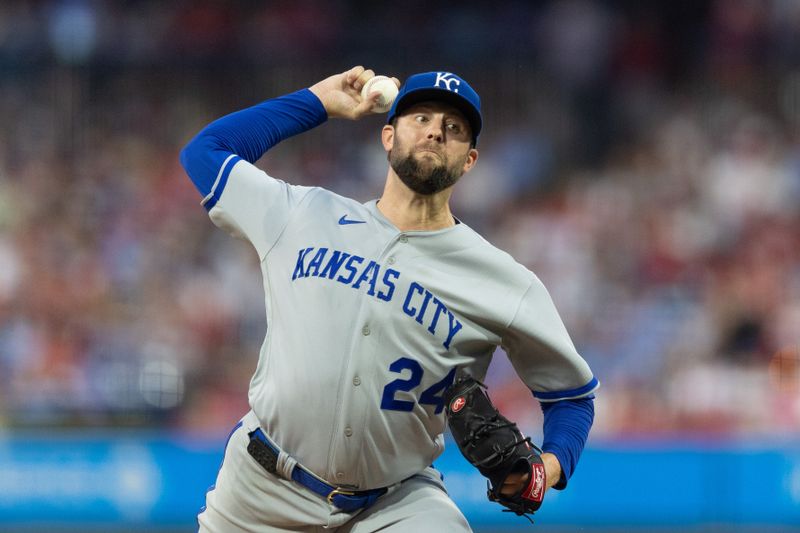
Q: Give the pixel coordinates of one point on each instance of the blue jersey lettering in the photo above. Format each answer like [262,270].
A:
[421,316]
[419,303]
[414,287]
[299,268]
[439,308]
[347,280]
[336,260]
[390,273]
[313,266]
[455,325]
[369,275]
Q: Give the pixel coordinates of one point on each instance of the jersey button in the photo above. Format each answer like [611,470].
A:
[339,475]
[348,432]
[356,381]
[403,239]
[391,260]
[365,330]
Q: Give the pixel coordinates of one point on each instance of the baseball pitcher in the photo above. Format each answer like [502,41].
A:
[382,320]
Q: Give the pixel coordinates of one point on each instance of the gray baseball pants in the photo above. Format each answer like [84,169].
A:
[248,499]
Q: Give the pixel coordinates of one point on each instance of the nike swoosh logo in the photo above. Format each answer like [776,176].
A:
[344,221]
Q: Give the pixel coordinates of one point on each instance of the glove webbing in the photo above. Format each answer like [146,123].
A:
[485,428]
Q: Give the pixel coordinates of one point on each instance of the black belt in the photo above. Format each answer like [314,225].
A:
[266,454]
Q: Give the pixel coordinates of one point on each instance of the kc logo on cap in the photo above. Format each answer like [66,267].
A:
[447,78]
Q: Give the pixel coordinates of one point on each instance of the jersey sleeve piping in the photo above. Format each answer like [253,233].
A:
[219,184]
[569,394]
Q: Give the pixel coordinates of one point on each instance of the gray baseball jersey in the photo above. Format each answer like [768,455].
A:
[367,325]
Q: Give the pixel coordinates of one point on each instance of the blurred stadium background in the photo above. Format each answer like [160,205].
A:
[642,157]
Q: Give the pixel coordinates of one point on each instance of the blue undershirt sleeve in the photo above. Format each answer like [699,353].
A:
[566,428]
[248,133]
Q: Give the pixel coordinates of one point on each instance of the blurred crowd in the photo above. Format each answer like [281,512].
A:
[642,158]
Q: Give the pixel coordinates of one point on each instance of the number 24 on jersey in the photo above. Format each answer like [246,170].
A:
[430,396]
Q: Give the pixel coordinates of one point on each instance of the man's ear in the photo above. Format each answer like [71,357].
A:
[472,158]
[387,137]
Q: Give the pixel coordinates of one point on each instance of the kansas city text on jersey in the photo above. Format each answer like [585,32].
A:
[355,271]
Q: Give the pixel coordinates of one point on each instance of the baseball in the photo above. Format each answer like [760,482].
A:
[388,91]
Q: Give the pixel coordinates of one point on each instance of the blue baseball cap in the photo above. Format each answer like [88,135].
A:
[441,86]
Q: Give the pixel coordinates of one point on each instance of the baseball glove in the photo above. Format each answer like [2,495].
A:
[494,445]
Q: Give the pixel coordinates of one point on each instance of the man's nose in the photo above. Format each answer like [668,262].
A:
[436,130]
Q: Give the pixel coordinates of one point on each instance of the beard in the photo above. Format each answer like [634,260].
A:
[425,178]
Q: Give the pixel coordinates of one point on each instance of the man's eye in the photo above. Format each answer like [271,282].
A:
[453,127]
[421,118]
